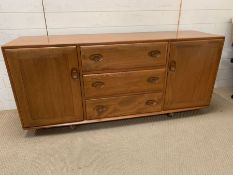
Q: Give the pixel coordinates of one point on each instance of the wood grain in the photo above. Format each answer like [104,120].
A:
[123,82]
[53,86]
[111,38]
[152,114]
[45,91]
[123,56]
[124,105]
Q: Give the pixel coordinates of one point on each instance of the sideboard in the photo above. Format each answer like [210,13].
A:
[78,79]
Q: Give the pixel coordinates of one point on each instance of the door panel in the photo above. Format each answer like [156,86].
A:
[192,71]
[44,88]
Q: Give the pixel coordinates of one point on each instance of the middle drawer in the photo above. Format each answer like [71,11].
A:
[100,85]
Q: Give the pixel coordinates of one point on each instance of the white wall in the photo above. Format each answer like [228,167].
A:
[212,16]
[25,17]
[78,16]
[17,18]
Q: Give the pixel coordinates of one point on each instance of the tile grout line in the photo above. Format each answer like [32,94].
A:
[46,26]
[178,24]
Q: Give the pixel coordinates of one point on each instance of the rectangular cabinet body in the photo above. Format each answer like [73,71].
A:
[63,80]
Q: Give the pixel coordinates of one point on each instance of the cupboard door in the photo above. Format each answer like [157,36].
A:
[192,71]
[46,84]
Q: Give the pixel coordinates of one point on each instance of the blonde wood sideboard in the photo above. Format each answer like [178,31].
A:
[77,79]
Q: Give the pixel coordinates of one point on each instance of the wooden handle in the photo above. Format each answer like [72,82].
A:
[154,53]
[100,109]
[172,66]
[153,79]
[96,57]
[98,84]
[151,102]
[74,73]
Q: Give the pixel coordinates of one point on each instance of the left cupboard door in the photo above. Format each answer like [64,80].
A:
[46,85]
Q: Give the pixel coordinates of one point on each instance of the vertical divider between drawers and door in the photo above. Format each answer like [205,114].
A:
[166,72]
[81,81]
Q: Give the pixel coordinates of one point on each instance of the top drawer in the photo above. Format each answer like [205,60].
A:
[123,56]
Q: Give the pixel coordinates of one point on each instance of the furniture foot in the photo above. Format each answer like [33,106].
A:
[170,114]
[72,127]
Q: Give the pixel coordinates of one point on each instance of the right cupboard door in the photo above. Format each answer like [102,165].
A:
[192,69]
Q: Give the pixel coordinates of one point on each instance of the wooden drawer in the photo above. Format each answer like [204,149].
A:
[124,105]
[101,85]
[123,56]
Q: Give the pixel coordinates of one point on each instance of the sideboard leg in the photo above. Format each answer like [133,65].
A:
[72,127]
[170,114]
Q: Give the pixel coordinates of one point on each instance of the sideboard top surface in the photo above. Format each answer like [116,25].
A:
[110,38]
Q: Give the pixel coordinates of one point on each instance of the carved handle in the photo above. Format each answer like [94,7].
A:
[153,79]
[96,57]
[100,109]
[154,53]
[74,73]
[98,84]
[151,102]
[172,66]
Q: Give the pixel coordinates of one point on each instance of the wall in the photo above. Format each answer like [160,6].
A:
[213,16]
[17,18]
[25,17]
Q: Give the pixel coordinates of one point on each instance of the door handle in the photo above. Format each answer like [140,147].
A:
[74,73]
[172,66]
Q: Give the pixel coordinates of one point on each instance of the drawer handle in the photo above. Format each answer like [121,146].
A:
[96,57]
[100,109]
[151,102]
[153,79]
[154,53]
[98,84]
[172,66]
[74,73]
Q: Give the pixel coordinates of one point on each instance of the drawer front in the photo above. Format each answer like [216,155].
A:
[124,105]
[123,56]
[101,85]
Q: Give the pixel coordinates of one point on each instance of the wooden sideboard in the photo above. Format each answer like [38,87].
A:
[77,79]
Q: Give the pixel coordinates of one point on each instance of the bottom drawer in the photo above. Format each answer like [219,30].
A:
[124,105]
